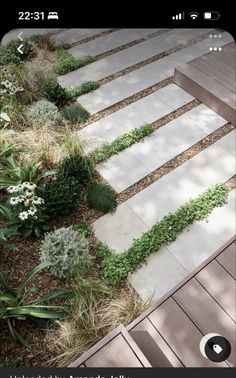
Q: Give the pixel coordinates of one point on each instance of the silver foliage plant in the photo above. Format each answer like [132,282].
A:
[44,112]
[65,249]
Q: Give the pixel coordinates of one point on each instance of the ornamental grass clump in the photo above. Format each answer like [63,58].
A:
[65,249]
[77,166]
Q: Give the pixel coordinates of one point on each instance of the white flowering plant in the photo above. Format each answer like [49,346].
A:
[8,83]
[25,210]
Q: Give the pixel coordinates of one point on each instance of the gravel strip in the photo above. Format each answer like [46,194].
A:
[175,162]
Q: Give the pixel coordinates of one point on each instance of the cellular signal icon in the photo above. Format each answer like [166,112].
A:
[179,16]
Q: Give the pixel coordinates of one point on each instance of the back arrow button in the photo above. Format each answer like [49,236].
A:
[19,36]
[19,49]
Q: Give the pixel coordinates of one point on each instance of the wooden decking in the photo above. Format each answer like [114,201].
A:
[211,79]
[169,332]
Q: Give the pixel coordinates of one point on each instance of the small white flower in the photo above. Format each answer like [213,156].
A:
[27,202]
[29,193]
[11,189]
[21,198]
[14,201]
[20,187]
[32,210]
[38,200]
[170,228]
[29,185]
[23,215]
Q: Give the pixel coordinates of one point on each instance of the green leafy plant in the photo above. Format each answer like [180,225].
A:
[6,233]
[24,210]
[83,88]
[67,63]
[27,49]
[16,305]
[43,112]
[15,173]
[61,196]
[54,92]
[10,54]
[76,166]
[116,267]
[102,197]
[64,248]
[75,113]
[83,228]
[121,143]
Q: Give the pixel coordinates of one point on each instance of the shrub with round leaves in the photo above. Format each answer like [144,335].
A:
[65,249]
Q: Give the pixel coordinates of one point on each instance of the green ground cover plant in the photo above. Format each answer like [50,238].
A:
[83,88]
[121,143]
[115,268]
[67,63]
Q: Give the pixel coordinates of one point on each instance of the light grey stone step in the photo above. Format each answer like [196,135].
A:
[140,79]
[145,110]
[110,41]
[128,57]
[168,266]
[163,145]
[75,35]
[211,166]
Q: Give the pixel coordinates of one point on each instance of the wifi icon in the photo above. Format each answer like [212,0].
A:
[193,15]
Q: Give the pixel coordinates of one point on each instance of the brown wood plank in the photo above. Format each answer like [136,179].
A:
[229,54]
[214,74]
[220,285]
[206,313]
[150,349]
[117,353]
[228,259]
[146,325]
[210,85]
[199,91]
[181,333]
[222,56]
[219,65]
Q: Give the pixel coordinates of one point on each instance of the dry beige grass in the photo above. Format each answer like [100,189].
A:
[76,334]
[47,144]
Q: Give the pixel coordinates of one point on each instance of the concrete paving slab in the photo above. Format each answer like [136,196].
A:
[145,110]
[128,57]
[135,81]
[194,246]
[110,41]
[221,221]
[207,168]
[75,35]
[159,275]
[121,228]
[211,166]
[179,134]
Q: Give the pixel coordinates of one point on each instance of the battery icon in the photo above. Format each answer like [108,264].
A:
[211,15]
